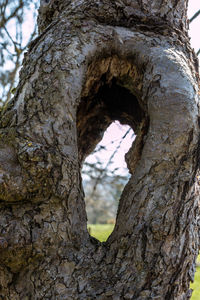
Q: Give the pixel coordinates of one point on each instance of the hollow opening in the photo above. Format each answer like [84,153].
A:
[109,99]
[97,111]
[104,175]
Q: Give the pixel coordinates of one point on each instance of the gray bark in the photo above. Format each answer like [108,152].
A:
[95,62]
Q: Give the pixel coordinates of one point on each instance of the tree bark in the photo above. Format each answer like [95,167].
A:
[95,62]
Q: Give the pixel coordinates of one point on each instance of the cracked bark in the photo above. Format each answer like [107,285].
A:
[94,62]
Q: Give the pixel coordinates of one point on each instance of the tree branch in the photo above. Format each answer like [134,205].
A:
[195,16]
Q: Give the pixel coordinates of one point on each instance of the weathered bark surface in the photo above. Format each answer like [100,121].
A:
[95,62]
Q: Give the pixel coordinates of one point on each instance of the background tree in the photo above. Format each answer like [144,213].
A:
[14,40]
[104,175]
[95,62]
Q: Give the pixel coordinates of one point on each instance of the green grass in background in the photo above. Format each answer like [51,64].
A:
[102,232]
[196,285]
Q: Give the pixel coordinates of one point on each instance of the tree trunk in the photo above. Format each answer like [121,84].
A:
[95,62]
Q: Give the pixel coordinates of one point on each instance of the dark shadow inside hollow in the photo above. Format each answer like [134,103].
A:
[99,109]
[106,102]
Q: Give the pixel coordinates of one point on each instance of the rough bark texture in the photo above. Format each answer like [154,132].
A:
[95,62]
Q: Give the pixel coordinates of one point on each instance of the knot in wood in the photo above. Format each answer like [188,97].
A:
[3,243]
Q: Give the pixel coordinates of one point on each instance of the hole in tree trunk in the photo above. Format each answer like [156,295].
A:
[106,101]
[104,176]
